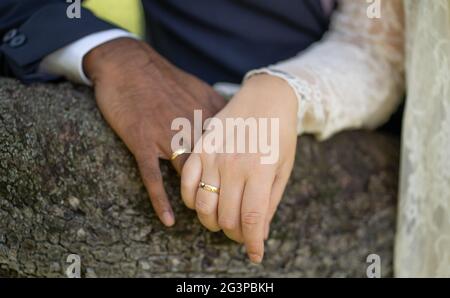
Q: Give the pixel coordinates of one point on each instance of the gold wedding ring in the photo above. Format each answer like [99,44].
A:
[178,153]
[208,187]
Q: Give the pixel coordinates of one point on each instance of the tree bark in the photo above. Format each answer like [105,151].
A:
[68,185]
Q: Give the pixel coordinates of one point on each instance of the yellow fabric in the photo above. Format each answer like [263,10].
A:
[124,13]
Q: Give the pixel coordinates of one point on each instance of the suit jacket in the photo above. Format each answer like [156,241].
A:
[216,40]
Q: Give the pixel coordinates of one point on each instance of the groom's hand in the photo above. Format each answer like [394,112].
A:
[139,93]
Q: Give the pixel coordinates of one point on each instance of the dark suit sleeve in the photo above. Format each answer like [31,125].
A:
[32,29]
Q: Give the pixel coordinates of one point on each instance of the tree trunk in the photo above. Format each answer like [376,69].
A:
[68,185]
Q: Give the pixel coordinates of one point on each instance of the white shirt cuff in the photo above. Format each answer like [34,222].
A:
[68,61]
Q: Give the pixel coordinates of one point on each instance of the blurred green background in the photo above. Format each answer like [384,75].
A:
[124,13]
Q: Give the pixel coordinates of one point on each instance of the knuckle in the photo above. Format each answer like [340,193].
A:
[188,202]
[203,207]
[236,237]
[152,174]
[212,228]
[239,240]
[245,162]
[134,129]
[137,133]
[187,198]
[228,223]
[160,203]
[251,218]
[188,181]
[236,157]
[208,158]
[209,224]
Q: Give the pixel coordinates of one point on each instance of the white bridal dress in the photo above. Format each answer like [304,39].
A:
[355,78]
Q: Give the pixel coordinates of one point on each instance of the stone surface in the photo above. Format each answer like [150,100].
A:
[68,185]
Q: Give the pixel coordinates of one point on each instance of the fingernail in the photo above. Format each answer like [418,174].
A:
[168,219]
[255,258]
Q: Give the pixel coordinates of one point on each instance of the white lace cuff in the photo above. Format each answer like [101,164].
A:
[308,96]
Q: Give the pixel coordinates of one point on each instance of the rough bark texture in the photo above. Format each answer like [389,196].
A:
[68,185]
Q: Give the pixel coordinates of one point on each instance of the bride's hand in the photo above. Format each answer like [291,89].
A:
[248,191]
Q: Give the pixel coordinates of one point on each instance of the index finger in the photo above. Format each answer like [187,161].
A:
[152,178]
[254,209]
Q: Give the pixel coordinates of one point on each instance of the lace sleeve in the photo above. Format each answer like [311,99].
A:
[353,78]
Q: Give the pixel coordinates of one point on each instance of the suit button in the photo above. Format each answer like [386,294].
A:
[17,41]
[10,35]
